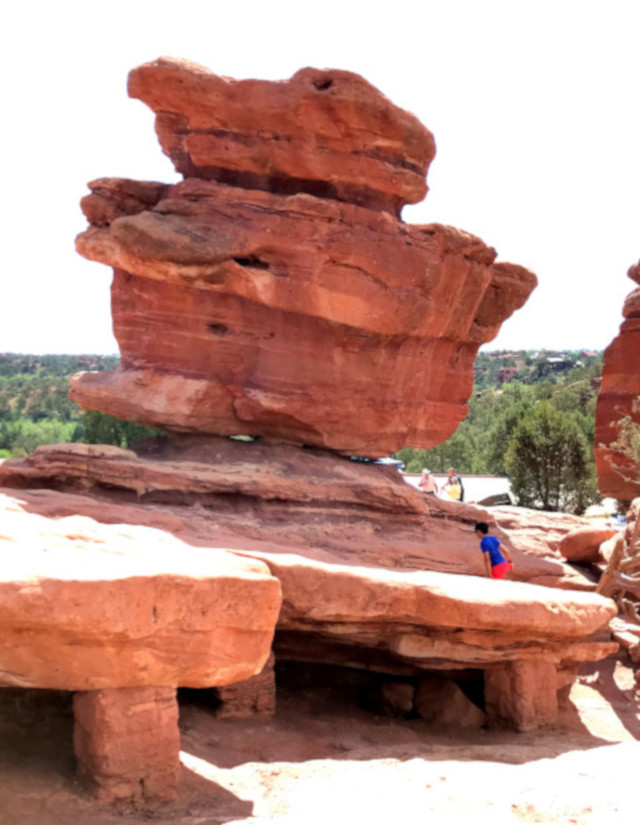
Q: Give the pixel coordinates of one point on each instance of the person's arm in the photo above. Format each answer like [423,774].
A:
[487,563]
[505,552]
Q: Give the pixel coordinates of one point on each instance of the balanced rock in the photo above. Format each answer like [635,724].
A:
[274,292]
[619,477]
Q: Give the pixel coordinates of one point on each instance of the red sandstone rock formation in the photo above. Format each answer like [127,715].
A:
[328,133]
[87,606]
[619,389]
[127,743]
[308,502]
[173,621]
[583,544]
[274,292]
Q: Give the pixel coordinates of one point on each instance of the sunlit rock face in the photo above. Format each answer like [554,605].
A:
[620,388]
[275,292]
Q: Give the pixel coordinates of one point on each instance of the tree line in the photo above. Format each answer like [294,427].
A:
[540,434]
[35,407]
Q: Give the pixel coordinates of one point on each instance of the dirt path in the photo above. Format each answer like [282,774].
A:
[323,759]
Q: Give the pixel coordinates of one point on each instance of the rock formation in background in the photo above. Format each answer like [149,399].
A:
[619,390]
[275,292]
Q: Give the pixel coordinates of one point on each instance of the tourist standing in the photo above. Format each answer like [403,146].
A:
[454,483]
[428,483]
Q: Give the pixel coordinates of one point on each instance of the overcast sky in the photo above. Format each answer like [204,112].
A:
[534,106]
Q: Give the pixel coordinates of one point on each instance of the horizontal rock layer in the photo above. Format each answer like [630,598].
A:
[109,630]
[220,492]
[617,476]
[326,132]
[87,606]
[350,544]
[290,317]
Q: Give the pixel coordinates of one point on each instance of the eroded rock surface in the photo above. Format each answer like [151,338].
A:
[583,544]
[127,743]
[274,292]
[312,503]
[329,133]
[87,606]
[619,390]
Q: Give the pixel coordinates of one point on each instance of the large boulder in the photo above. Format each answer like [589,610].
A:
[329,133]
[275,292]
[583,544]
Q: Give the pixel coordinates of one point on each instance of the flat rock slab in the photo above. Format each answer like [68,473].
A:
[163,627]
[88,606]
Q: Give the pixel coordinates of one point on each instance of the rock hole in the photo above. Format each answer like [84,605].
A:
[252,261]
[218,329]
[322,84]
[204,698]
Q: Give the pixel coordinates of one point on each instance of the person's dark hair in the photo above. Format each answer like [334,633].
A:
[483,527]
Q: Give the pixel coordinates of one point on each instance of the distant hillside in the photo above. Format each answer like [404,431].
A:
[529,366]
[35,407]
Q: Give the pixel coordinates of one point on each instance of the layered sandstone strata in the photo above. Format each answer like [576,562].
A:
[85,606]
[328,133]
[123,616]
[274,292]
[102,631]
[217,491]
[618,477]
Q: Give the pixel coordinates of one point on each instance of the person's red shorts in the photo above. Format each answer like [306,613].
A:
[499,571]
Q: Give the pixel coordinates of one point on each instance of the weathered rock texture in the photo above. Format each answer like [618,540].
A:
[274,292]
[252,697]
[225,493]
[583,544]
[351,591]
[85,606]
[442,703]
[327,133]
[619,389]
[127,742]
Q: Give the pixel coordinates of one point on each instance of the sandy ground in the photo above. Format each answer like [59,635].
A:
[324,759]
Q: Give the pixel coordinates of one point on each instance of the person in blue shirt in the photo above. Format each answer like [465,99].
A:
[497,558]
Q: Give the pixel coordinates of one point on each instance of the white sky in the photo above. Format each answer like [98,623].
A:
[534,106]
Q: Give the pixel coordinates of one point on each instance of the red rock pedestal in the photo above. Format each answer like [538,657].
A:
[127,742]
[522,694]
[253,697]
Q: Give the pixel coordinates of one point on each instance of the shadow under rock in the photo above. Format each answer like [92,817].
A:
[621,701]
[328,720]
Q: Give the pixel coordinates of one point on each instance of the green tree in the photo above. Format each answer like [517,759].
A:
[550,461]
[100,428]
[628,444]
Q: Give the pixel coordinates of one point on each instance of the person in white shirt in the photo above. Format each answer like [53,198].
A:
[427,483]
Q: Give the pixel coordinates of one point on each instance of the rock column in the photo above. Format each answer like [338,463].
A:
[252,697]
[522,694]
[127,742]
